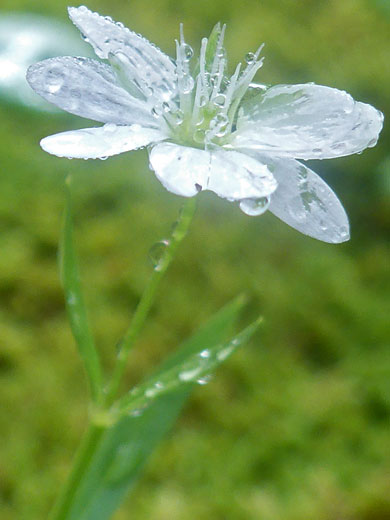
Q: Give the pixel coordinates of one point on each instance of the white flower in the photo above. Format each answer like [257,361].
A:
[206,131]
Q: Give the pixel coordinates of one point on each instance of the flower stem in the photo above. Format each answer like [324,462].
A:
[147,299]
[105,417]
[83,459]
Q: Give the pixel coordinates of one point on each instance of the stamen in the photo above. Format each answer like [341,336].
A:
[218,52]
[231,88]
[217,78]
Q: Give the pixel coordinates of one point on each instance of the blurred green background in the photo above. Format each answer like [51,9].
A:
[296,425]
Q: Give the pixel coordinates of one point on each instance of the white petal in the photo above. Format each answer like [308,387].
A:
[88,89]
[94,143]
[231,175]
[305,202]
[307,122]
[108,37]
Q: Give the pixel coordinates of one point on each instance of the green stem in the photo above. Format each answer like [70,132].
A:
[81,464]
[104,418]
[147,299]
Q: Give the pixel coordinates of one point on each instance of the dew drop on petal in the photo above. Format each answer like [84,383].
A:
[255,207]
[156,254]
[205,354]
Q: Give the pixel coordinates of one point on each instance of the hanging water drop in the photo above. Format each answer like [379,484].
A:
[205,354]
[165,107]
[156,254]
[254,207]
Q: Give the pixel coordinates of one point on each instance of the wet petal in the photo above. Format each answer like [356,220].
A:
[88,89]
[94,143]
[110,38]
[307,122]
[185,171]
[305,202]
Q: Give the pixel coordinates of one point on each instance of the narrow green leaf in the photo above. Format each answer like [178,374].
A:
[214,45]
[195,367]
[127,445]
[77,314]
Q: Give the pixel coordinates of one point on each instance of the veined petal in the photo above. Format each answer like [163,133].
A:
[231,175]
[94,143]
[305,202]
[108,37]
[88,89]
[306,122]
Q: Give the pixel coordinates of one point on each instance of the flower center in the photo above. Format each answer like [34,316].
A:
[204,110]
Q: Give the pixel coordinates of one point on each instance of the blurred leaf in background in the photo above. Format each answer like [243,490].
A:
[293,427]
[24,40]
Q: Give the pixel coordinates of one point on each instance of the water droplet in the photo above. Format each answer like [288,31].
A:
[156,112]
[219,100]
[156,254]
[203,101]
[188,84]
[188,52]
[166,107]
[104,158]
[250,58]
[225,353]
[178,117]
[71,299]
[54,82]
[205,354]
[204,380]
[323,225]
[221,119]
[150,392]
[199,136]
[136,413]
[344,233]
[254,207]
[297,210]
[109,127]
[189,375]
